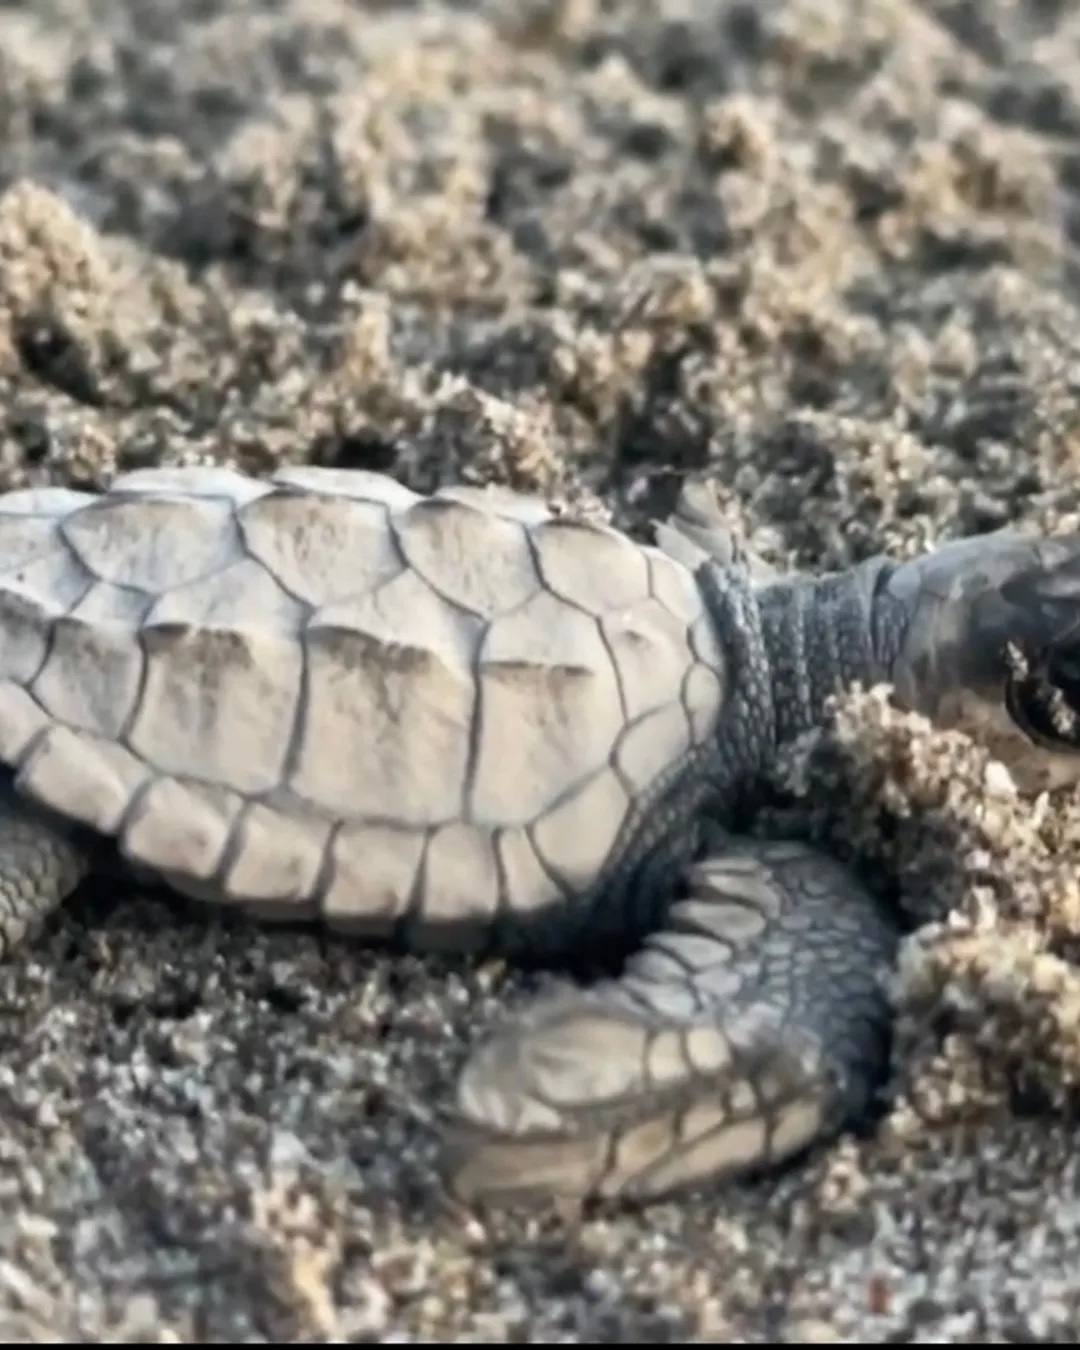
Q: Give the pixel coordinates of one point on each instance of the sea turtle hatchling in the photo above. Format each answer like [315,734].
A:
[465,724]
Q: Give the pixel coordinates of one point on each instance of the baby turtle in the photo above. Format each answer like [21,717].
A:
[463,724]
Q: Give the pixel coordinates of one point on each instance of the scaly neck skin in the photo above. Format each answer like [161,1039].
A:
[823,635]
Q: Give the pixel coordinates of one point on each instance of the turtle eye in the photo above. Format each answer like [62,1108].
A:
[1042,696]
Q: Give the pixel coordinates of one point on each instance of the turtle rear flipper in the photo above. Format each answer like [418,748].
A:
[751,1027]
[41,863]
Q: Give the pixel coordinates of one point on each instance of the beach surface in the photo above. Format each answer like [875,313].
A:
[822,254]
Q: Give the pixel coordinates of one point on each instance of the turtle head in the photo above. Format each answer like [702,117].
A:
[984,635]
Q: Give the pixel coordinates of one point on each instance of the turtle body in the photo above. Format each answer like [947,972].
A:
[466,724]
[328,697]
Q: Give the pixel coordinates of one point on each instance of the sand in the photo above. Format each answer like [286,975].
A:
[822,254]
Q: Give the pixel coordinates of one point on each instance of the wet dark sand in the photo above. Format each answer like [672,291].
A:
[823,253]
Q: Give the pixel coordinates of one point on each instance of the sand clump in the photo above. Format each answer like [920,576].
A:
[987,989]
[823,257]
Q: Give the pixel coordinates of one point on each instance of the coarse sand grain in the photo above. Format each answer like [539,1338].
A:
[823,254]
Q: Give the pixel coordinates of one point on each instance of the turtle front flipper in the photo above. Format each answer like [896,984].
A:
[754,1024]
[696,532]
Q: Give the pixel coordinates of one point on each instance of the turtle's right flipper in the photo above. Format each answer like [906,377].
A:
[754,1024]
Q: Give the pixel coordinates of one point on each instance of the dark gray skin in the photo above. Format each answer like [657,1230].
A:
[750,1020]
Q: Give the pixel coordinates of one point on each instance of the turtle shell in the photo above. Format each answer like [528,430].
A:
[324,695]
